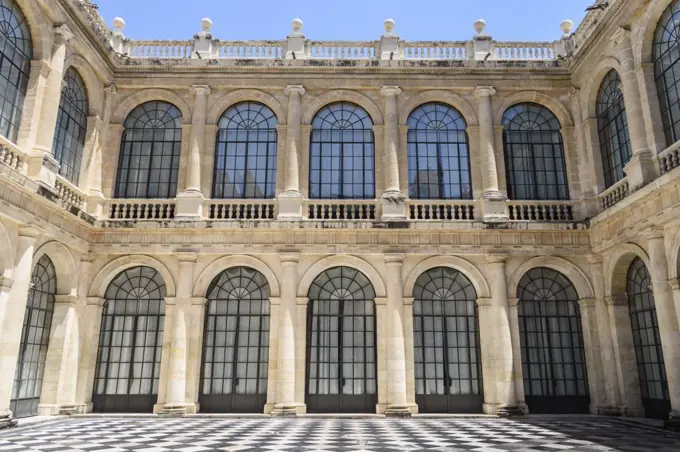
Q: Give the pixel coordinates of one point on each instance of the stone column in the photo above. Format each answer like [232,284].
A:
[487,350]
[42,165]
[396,354]
[503,340]
[286,368]
[290,201]
[190,201]
[176,309]
[301,353]
[12,321]
[493,199]
[382,347]
[513,315]
[593,355]
[392,198]
[641,169]
[87,344]
[95,193]
[667,318]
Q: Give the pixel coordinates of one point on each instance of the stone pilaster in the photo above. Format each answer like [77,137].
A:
[488,354]
[593,352]
[392,198]
[30,115]
[98,138]
[589,202]
[290,201]
[87,367]
[301,353]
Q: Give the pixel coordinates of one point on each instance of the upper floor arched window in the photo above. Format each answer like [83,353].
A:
[612,126]
[69,138]
[534,154]
[245,152]
[150,151]
[16,52]
[438,154]
[342,153]
[666,55]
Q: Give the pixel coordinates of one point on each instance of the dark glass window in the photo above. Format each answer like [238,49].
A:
[342,157]
[612,125]
[150,151]
[69,138]
[647,340]
[438,153]
[534,154]
[35,337]
[245,153]
[666,55]
[551,340]
[16,52]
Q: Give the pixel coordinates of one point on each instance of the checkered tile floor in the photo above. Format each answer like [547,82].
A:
[333,434]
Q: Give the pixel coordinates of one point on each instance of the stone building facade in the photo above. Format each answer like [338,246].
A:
[300,226]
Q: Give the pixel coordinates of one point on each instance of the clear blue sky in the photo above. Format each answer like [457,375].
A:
[507,20]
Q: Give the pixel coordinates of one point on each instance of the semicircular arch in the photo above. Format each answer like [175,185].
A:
[64,265]
[147,95]
[342,261]
[118,265]
[245,95]
[554,105]
[342,95]
[578,278]
[442,96]
[616,266]
[218,266]
[467,268]
[599,72]
[93,84]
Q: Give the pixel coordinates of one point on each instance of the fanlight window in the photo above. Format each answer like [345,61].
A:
[438,153]
[245,154]
[16,52]
[612,125]
[666,55]
[150,151]
[69,138]
[342,153]
[534,154]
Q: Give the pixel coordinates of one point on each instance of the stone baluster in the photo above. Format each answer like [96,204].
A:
[392,198]
[290,201]
[11,322]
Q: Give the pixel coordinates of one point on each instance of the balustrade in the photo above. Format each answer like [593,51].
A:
[161,49]
[141,209]
[69,195]
[342,210]
[438,210]
[251,49]
[13,158]
[342,50]
[614,194]
[669,159]
[518,51]
[427,50]
[241,210]
[540,211]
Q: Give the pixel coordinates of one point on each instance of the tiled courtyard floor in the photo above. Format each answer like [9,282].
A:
[197,434]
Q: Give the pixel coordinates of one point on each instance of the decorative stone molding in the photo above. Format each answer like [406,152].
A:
[484,302]
[199,90]
[275,301]
[587,302]
[302,301]
[66,299]
[513,302]
[96,301]
[381,301]
[484,91]
[63,34]
[394,258]
[6,283]
[496,258]
[289,258]
[294,89]
[616,300]
[674,283]
[390,91]
[408,301]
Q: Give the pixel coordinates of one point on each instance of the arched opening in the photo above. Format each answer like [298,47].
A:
[612,126]
[448,372]
[35,336]
[647,340]
[341,343]
[150,152]
[438,153]
[551,343]
[69,137]
[245,152]
[130,342]
[236,343]
[666,57]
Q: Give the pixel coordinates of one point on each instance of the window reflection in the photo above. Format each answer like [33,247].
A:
[612,125]
[69,137]
[666,55]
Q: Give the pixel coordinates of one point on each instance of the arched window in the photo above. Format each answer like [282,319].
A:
[35,337]
[551,344]
[438,154]
[448,365]
[342,157]
[612,125]
[16,52]
[666,55]
[150,151]
[534,154]
[647,340]
[69,138]
[130,342]
[245,153]
[236,343]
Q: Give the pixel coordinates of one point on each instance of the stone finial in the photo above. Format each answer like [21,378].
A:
[566,26]
[118,24]
[480,25]
[389,26]
[297,25]
[206,24]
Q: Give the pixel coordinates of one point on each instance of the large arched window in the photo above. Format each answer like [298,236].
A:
[69,138]
[551,344]
[245,153]
[342,157]
[35,337]
[438,154]
[16,52]
[534,154]
[150,151]
[612,126]
[647,340]
[666,55]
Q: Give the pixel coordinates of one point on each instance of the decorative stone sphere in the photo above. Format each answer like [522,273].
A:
[206,24]
[480,25]
[566,26]
[297,25]
[118,24]
[389,25]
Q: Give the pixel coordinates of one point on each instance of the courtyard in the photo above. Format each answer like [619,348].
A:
[368,434]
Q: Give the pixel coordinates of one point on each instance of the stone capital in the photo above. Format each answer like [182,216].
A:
[496,258]
[65,299]
[484,91]
[408,301]
[620,35]
[29,231]
[653,233]
[381,301]
[186,256]
[587,302]
[484,302]
[42,67]
[6,283]
[674,283]
[294,89]
[390,91]
[289,258]
[302,301]
[62,34]
[111,89]
[96,301]
[513,302]
[394,258]
[616,300]
[199,90]
[594,258]
[274,301]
